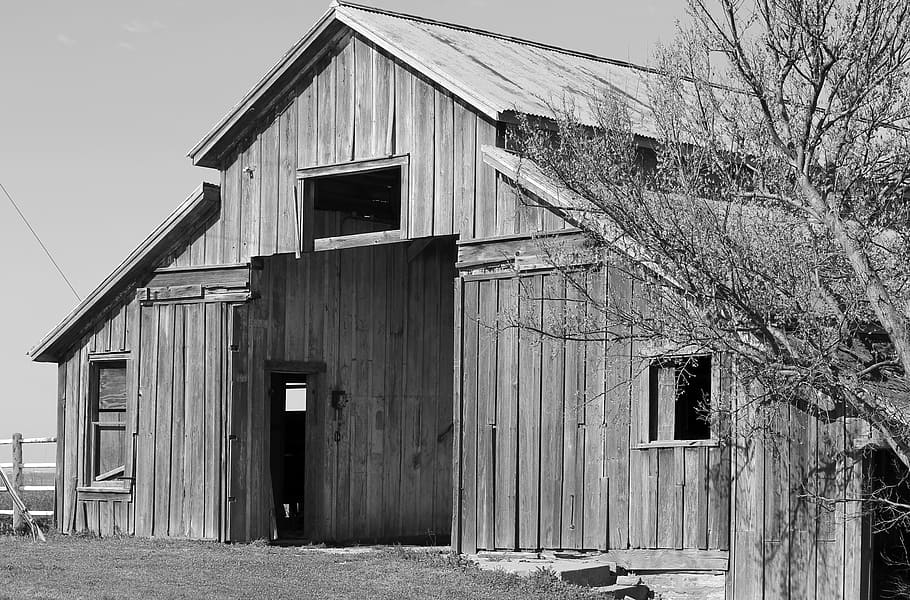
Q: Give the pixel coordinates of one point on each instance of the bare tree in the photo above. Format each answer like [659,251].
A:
[770,214]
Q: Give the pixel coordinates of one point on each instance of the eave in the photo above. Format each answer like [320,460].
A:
[203,202]
[280,80]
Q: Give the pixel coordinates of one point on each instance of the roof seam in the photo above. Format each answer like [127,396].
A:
[498,36]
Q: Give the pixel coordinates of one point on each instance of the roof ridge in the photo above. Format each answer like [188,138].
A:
[493,34]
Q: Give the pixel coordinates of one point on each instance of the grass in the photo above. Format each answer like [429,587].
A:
[84,567]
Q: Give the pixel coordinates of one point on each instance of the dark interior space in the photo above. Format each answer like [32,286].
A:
[358,202]
[288,443]
[680,389]
[887,491]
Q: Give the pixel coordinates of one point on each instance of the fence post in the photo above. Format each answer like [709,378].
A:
[17,480]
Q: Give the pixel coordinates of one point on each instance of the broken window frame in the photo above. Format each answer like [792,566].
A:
[115,477]
[646,440]
[305,204]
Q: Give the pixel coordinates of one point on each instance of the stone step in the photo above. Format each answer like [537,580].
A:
[588,575]
[625,590]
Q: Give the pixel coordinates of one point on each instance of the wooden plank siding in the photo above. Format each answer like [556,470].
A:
[381,321]
[172,436]
[796,482]
[358,102]
[547,429]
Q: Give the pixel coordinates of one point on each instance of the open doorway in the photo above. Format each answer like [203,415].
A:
[887,491]
[289,395]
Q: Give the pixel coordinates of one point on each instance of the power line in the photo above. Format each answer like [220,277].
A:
[43,247]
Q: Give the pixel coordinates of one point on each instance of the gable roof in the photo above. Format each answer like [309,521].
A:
[204,201]
[498,75]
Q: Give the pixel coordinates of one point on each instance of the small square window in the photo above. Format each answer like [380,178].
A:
[679,396]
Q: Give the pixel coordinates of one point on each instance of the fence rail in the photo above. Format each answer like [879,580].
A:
[17,483]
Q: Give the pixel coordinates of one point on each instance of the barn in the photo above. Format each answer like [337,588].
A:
[315,348]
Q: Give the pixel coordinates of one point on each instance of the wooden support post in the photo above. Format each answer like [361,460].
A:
[17,482]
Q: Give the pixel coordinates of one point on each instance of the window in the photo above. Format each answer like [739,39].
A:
[354,203]
[351,204]
[679,395]
[108,394]
[295,396]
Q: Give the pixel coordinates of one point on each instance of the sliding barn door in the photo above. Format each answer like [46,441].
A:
[249,514]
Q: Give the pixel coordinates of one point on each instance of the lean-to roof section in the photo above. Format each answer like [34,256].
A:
[496,74]
[203,202]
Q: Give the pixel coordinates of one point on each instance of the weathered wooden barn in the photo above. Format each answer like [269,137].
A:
[277,358]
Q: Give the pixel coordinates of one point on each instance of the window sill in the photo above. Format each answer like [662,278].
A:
[677,444]
[98,492]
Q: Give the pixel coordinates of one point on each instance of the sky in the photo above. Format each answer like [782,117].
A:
[100,100]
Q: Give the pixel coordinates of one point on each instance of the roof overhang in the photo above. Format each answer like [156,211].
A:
[202,203]
[279,82]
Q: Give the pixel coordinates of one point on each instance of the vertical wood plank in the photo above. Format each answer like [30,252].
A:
[471,425]
[61,457]
[420,216]
[383,103]
[458,421]
[145,458]
[485,181]
[325,113]
[162,421]
[404,132]
[214,407]
[344,101]
[364,95]
[574,424]
[178,407]
[269,210]
[444,148]
[445,424]
[395,386]
[618,390]
[237,528]
[486,414]
[595,492]
[307,118]
[552,412]
[506,416]
[464,124]
[195,441]
[529,411]
[250,198]
[231,213]
[286,237]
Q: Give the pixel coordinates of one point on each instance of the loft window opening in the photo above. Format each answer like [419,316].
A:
[357,203]
[108,392]
[679,398]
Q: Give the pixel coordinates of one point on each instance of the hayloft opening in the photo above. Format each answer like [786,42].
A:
[679,396]
[372,198]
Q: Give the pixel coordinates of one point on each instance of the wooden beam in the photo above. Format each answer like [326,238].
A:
[373,238]
[354,166]
[200,154]
[295,366]
[200,204]
[235,275]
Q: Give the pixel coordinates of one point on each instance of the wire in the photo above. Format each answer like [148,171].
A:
[43,247]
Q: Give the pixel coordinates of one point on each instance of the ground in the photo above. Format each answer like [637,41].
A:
[82,567]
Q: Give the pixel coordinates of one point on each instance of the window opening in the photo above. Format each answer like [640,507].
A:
[679,396]
[108,403]
[358,202]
